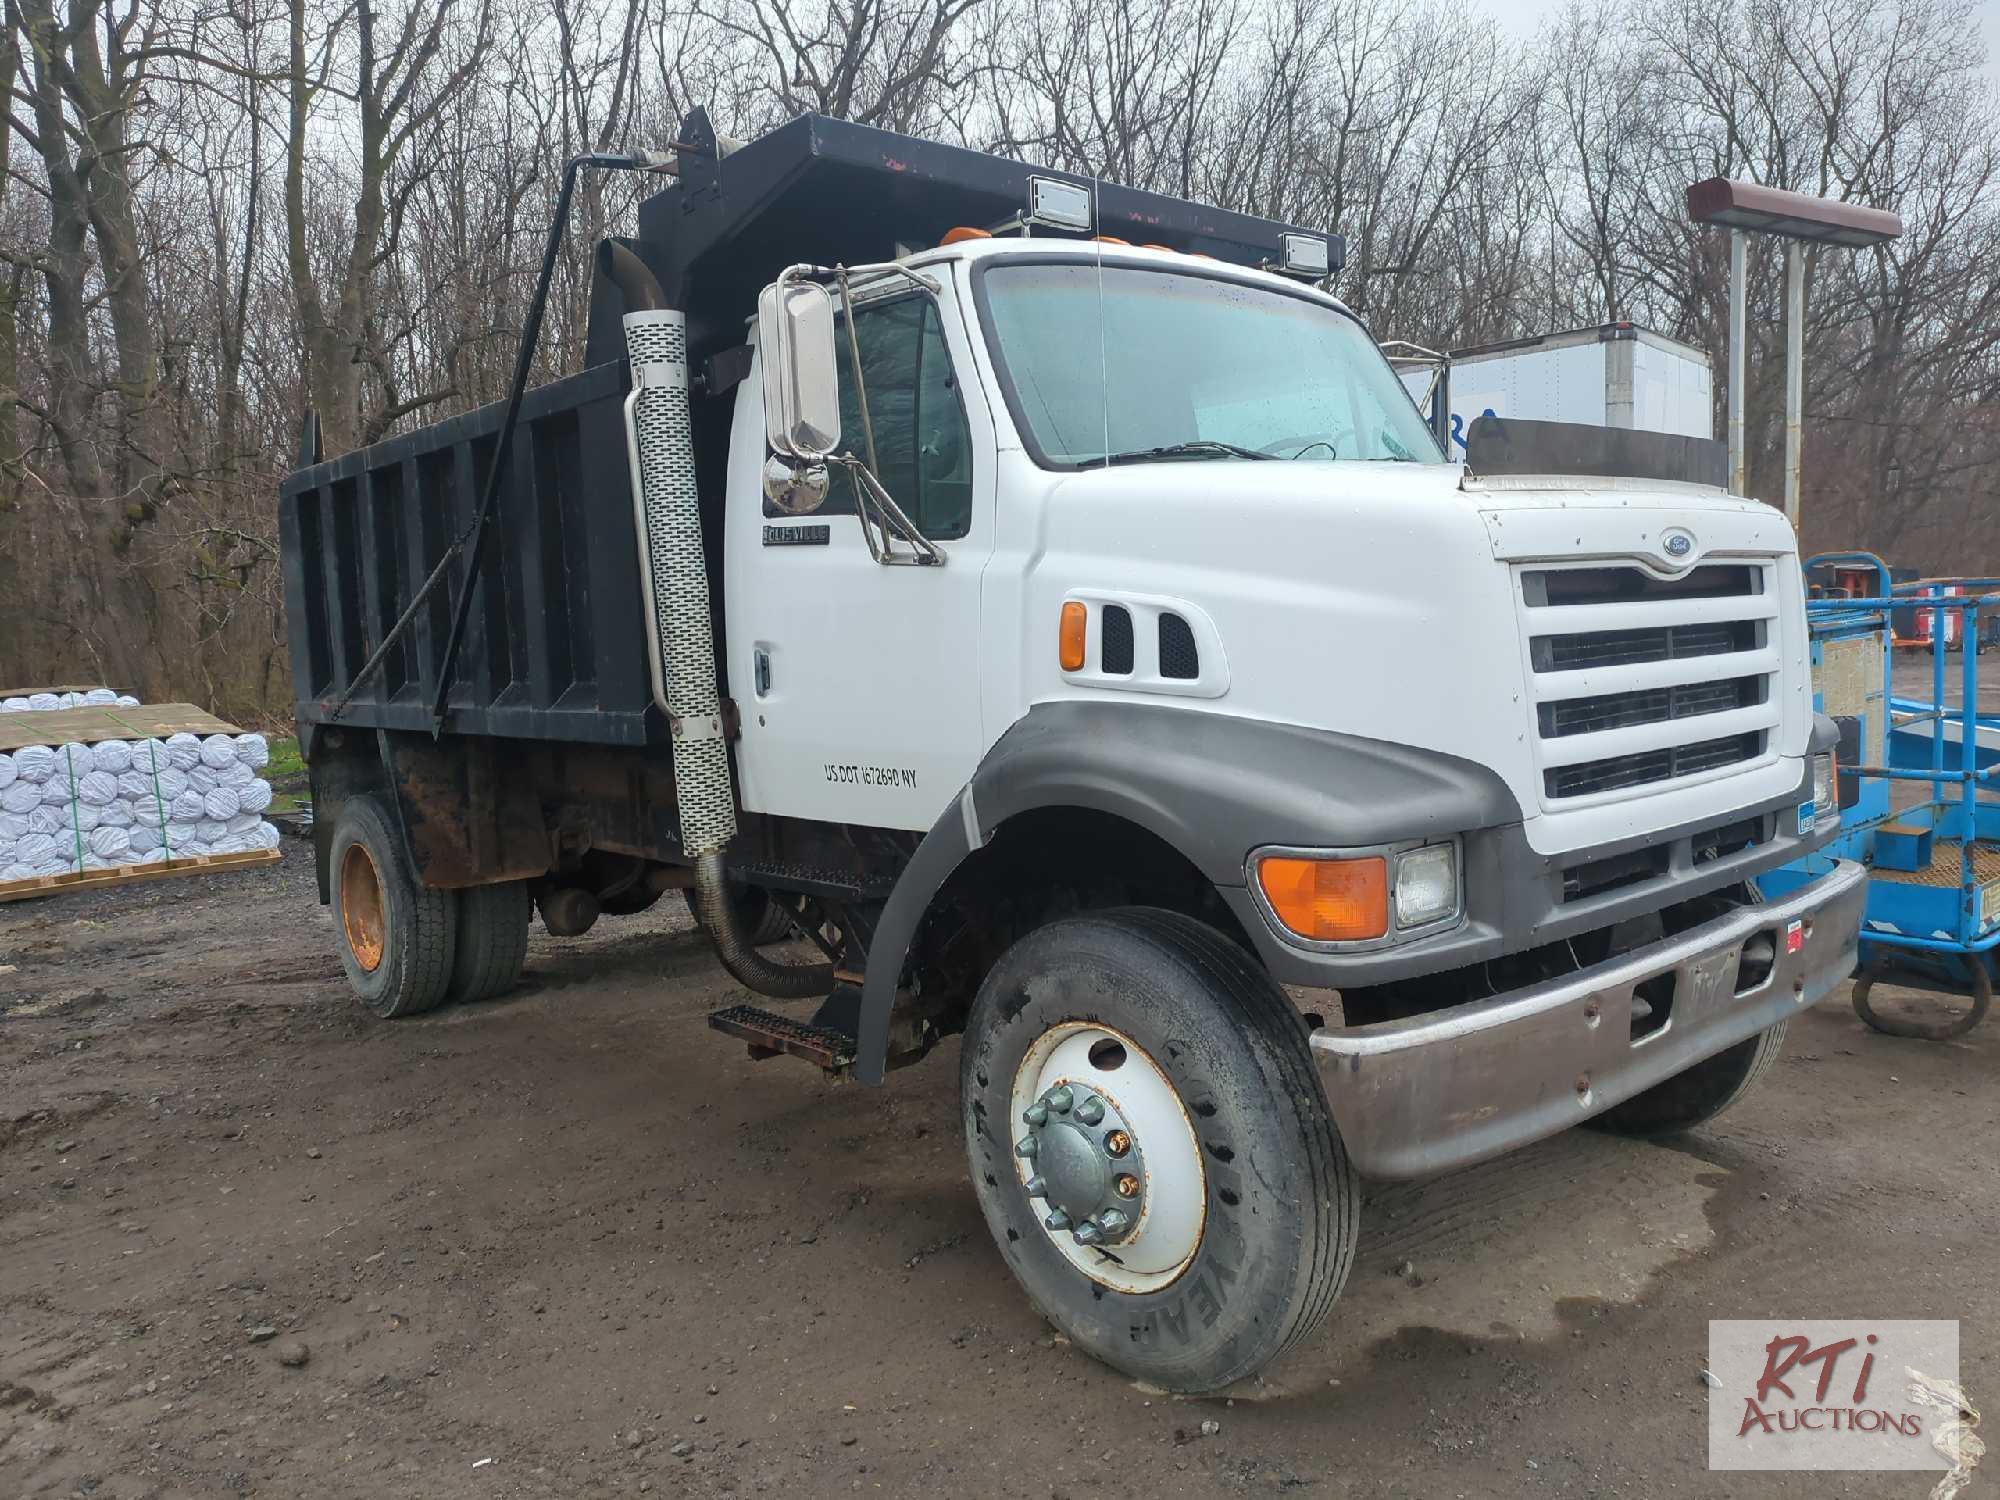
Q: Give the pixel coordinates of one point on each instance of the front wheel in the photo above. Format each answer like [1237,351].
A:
[1152,1148]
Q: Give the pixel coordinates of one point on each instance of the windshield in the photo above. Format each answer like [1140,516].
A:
[1161,365]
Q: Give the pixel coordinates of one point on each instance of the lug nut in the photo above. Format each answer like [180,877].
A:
[1037,1187]
[1035,1115]
[1112,1221]
[1059,1098]
[1091,1110]
[1127,1185]
[1058,1221]
[1087,1233]
[1026,1147]
[1118,1143]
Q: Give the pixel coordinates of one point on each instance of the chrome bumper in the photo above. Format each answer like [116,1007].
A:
[1437,1091]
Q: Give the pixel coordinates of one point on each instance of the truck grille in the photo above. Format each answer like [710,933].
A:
[1640,680]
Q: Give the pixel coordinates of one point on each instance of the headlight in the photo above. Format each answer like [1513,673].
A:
[1426,885]
[1826,800]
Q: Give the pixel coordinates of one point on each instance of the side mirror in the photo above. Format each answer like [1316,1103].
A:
[801,384]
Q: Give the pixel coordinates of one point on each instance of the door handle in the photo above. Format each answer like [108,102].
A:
[762,659]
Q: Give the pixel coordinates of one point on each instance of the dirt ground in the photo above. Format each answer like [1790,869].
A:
[573,1243]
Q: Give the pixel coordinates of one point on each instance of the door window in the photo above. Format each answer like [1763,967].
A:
[923,445]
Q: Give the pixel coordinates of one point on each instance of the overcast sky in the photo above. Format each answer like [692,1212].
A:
[1522,17]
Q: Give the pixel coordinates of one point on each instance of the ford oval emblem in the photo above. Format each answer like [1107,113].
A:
[1677,543]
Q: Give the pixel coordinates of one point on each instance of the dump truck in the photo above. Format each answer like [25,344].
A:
[1018,608]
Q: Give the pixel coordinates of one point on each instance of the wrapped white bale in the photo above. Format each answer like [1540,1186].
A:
[241,824]
[210,831]
[55,792]
[255,797]
[48,820]
[203,779]
[179,836]
[111,755]
[141,838]
[12,825]
[99,698]
[75,759]
[124,815]
[35,850]
[264,836]
[35,763]
[20,797]
[111,845]
[253,750]
[15,705]
[97,788]
[43,703]
[126,700]
[186,808]
[147,857]
[18,871]
[84,816]
[8,775]
[182,751]
[217,751]
[221,804]
[143,784]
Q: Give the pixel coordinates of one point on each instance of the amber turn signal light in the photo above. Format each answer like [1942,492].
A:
[1328,900]
[1070,645]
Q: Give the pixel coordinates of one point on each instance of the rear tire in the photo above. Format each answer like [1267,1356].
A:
[1244,1206]
[397,937]
[1697,1094]
[492,940]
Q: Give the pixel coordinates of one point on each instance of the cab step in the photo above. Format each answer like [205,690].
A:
[772,1035]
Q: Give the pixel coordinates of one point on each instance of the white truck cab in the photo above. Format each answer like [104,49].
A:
[1082,649]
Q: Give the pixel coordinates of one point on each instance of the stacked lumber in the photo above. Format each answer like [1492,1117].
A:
[110,790]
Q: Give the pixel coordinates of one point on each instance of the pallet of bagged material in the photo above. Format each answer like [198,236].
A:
[200,864]
[60,687]
[152,721]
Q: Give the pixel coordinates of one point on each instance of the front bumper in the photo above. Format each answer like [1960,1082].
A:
[1436,1091]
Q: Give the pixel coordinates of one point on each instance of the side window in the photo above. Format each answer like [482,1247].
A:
[923,446]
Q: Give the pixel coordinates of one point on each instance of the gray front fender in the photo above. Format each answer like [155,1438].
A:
[1212,786]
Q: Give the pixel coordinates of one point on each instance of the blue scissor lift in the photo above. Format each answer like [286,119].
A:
[1933,914]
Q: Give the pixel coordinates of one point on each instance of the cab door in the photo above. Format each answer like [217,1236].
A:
[858,683]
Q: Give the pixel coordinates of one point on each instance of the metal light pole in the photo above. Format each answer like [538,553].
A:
[1795,373]
[1739,343]
[1747,208]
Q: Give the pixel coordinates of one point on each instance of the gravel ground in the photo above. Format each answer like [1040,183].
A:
[573,1243]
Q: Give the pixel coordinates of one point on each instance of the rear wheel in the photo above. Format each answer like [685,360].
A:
[1152,1148]
[492,940]
[1698,1094]
[397,937]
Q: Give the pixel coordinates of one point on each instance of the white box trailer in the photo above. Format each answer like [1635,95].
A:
[1619,375]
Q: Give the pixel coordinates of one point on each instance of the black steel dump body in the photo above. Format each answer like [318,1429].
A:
[555,647]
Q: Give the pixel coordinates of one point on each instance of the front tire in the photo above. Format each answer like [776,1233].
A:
[397,937]
[1233,1206]
[1698,1094]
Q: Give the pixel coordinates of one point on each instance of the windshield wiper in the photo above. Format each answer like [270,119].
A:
[1195,448]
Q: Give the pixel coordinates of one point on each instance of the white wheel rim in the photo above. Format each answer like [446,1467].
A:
[1165,1156]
